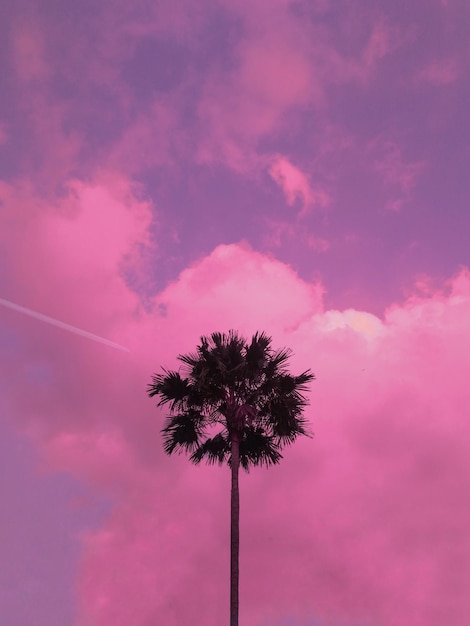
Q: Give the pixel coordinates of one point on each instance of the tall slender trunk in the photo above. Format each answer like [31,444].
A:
[234,530]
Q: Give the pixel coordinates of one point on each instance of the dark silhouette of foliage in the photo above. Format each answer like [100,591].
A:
[244,392]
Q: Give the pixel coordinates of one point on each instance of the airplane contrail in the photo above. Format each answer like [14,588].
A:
[59,324]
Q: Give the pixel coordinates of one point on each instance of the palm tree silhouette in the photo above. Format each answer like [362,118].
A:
[244,392]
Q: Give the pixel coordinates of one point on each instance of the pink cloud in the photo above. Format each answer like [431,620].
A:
[29,52]
[377,47]
[360,517]
[395,170]
[365,523]
[296,186]
[368,522]
[438,73]
[336,68]
[282,63]
[51,151]
[273,72]
[319,244]
[152,139]
[3,134]
[67,260]
[82,240]
[236,269]
[279,232]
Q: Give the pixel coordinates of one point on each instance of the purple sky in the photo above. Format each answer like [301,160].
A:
[172,168]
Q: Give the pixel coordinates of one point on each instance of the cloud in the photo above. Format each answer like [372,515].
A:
[68,260]
[279,232]
[3,134]
[367,522]
[376,48]
[232,274]
[296,186]
[29,54]
[319,244]
[151,140]
[395,171]
[283,62]
[98,102]
[439,73]
[59,324]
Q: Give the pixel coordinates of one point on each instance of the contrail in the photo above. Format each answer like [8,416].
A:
[59,324]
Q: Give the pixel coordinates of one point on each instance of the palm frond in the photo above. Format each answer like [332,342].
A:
[245,387]
[170,386]
[256,356]
[302,380]
[257,448]
[214,450]
[183,432]
[282,417]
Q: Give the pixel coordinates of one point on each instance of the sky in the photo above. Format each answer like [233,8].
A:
[169,169]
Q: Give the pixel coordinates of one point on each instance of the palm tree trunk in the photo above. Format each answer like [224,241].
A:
[234,530]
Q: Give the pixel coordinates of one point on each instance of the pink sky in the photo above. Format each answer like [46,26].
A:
[170,169]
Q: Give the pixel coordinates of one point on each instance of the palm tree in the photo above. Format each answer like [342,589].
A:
[234,402]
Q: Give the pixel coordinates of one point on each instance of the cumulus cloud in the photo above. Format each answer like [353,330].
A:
[366,523]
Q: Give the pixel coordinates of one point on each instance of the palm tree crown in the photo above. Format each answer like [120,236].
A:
[232,388]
